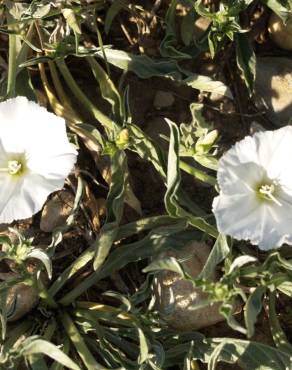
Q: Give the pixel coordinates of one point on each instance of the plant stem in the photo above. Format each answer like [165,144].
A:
[198,174]
[12,67]
[54,102]
[98,115]
[79,343]
[60,91]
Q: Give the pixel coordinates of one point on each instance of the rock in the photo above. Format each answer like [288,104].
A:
[281,33]
[273,88]
[208,69]
[56,211]
[21,299]
[176,296]
[163,99]
[256,127]
[201,26]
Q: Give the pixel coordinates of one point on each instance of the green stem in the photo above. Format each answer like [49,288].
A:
[201,224]
[79,343]
[57,83]
[97,114]
[81,288]
[198,174]
[65,349]
[12,66]
[80,262]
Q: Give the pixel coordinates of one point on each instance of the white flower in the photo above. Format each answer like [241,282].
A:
[35,157]
[255,180]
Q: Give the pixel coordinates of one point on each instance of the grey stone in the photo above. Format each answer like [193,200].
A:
[22,298]
[177,297]
[273,88]
[56,211]
[201,26]
[281,33]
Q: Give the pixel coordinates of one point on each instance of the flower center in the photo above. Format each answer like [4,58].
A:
[14,167]
[267,192]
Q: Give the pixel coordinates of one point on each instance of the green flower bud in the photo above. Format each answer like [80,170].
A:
[205,143]
[123,138]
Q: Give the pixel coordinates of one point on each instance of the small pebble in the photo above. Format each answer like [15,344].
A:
[163,99]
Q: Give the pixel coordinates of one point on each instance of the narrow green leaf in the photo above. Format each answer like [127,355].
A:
[173,184]
[168,263]
[37,362]
[205,83]
[91,108]
[219,252]
[44,258]
[112,12]
[79,344]
[71,20]
[144,350]
[277,7]
[246,60]
[40,346]
[123,232]
[286,288]
[142,65]
[255,356]
[241,261]
[168,44]
[252,308]
[104,243]
[147,149]
[65,348]
[173,171]
[107,88]
[115,206]
[187,27]
[227,310]
[278,334]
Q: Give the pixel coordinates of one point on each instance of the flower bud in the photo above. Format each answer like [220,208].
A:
[122,140]
[205,143]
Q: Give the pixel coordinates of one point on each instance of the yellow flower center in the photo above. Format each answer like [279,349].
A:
[14,167]
[268,192]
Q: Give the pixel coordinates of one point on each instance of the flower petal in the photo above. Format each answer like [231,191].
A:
[39,137]
[35,191]
[24,124]
[9,188]
[236,215]
[55,167]
[274,147]
[26,197]
[246,218]
[279,230]
[238,178]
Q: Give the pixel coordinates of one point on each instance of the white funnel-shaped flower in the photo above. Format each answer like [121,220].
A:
[255,180]
[35,157]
